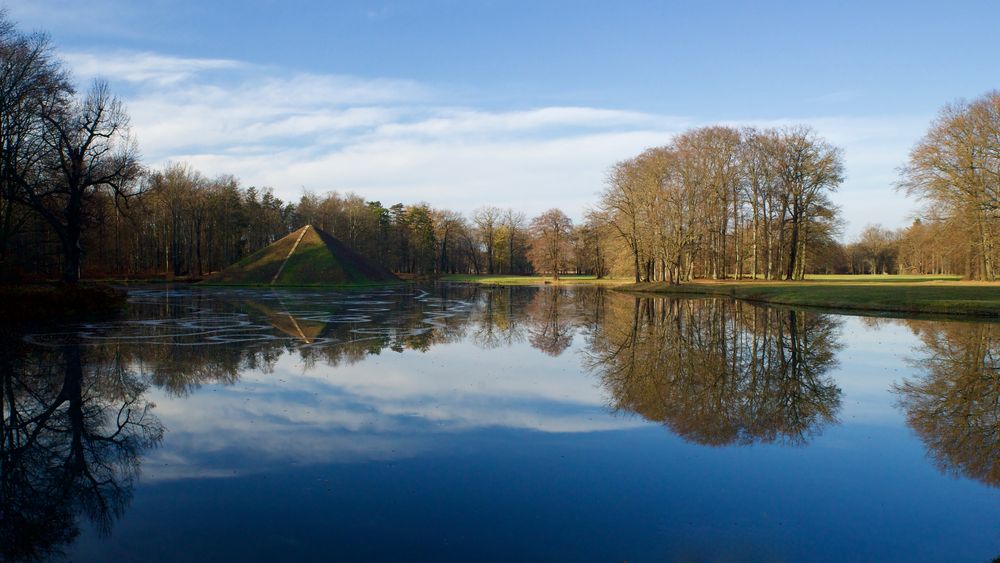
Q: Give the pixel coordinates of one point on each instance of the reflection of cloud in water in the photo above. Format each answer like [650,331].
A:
[388,407]
[254,378]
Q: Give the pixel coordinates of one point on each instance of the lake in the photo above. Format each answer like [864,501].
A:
[458,422]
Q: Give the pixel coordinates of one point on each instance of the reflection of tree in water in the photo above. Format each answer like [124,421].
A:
[410,323]
[719,372]
[498,320]
[491,317]
[955,405]
[181,370]
[279,325]
[74,427]
[551,321]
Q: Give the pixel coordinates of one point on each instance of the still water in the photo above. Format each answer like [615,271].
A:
[455,422]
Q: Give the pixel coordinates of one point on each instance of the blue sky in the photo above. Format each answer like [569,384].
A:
[522,104]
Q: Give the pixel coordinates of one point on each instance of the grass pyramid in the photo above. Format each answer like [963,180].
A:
[308,256]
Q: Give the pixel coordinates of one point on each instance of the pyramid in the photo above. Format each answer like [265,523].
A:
[308,256]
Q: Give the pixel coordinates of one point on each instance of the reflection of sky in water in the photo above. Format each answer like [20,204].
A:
[872,359]
[390,405]
[438,447]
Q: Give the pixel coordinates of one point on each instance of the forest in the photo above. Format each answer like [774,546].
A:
[718,202]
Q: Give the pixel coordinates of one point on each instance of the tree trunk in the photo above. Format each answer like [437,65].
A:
[986,252]
[72,253]
[635,256]
[802,257]
[70,236]
[793,246]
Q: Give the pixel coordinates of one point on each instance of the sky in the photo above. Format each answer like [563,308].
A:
[517,104]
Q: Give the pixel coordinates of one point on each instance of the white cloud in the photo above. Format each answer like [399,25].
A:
[143,67]
[472,122]
[402,141]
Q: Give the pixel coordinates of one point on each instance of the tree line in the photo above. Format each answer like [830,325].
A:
[923,248]
[178,222]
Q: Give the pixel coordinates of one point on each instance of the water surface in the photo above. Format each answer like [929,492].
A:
[456,422]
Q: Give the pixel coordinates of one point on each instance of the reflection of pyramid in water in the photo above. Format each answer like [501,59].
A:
[305,330]
[308,256]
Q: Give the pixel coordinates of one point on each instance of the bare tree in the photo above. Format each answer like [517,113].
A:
[956,169]
[29,75]
[449,228]
[513,225]
[89,152]
[621,205]
[589,252]
[759,186]
[551,233]
[876,251]
[712,157]
[808,168]
[487,220]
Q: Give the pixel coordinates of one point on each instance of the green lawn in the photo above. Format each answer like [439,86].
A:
[899,294]
[879,278]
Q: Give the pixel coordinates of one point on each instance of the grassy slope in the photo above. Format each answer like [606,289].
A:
[259,267]
[319,260]
[898,294]
[356,268]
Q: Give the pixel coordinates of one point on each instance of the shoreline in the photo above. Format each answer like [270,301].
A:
[876,295]
[512,280]
[931,297]
[53,303]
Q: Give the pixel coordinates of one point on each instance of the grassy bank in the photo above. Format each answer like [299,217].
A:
[47,303]
[943,295]
[881,278]
[530,280]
